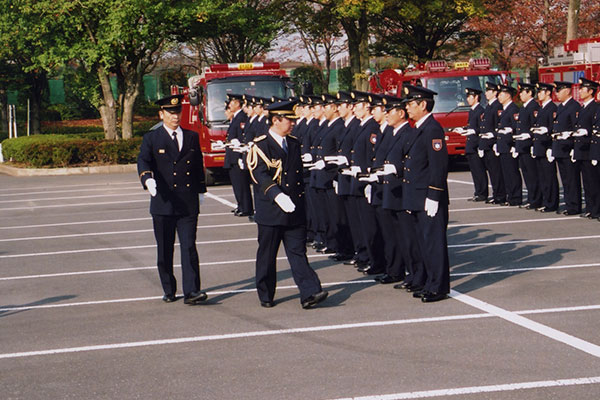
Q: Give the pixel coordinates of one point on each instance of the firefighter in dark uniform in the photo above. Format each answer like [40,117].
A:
[425,191]
[523,145]
[505,146]
[276,168]
[562,147]
[487,140]
[170,167]
[476,163]
[582,140]
[595,147]
[542,147]
[240,181]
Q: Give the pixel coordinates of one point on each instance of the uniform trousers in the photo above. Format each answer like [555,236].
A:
[433,243]
[531,177]
[165,227]
[353,212]
[338,220]
[591,186]
[240,181]
[311,218]
[492,164]
[512,178]
[405,222]
[294,242]
[324,228]
[570,177]
[371,235]
[392,242]
[548,183]
[480,179]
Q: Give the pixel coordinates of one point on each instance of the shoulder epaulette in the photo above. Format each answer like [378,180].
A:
[258,139]
[292,137]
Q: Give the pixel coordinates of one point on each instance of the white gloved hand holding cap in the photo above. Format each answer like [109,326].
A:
[151,186]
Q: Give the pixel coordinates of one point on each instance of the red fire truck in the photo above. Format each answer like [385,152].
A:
[578,58]
[449,81]
[204,102]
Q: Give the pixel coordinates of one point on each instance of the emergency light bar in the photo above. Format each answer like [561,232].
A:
[436,66]
[480,63]
[243,66]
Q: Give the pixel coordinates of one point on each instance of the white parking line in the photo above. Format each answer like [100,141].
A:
[94,196]
[220,200]
[33,207]
[508,387]
[107,184]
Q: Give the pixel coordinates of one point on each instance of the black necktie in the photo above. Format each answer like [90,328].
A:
[175,140]
[284,146]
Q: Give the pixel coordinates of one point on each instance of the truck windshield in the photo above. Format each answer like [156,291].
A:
[217,93]
[451,91]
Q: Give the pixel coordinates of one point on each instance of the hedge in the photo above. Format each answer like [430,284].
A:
[69,150]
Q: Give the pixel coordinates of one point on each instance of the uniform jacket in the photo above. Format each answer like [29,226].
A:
[327,145]
[267,187]
[235,131]
[585,120]
[565,119]
[389,194]
[425,171]
[488,123]
[346,142]
[507,119]
[525,121]
[179,175]
[595,139]
[363,152]
[545,118]
[474,118]
[253,128]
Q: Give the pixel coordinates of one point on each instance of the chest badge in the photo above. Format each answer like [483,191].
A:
[437,144]
[373,138]
[535,114]
[161,151]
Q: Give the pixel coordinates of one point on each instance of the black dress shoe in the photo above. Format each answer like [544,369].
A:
[401,286]
[234,210]
[244,214]
[314,299]
[586,215]
[478,199]
[431,297]
[326,250]
[267,304]
[569,212]
[351,262]
[547,209]
[525,205]
[340,257]
[495,201]
[169,298]
[420,294]
[195,298]
[414,288]
[385,279]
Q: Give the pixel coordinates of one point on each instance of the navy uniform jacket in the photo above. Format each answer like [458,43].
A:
[306,137]
[488,123]
[508,118]
[266,187]
[388,193]
[525,121]
[425,171]
[566,116]
[595,140]
[235,131]
[179,175]
[474,118]
[585,120]
[363,152]
[545,118]
[327,146]
[346,142]
[254,128]
[298,131]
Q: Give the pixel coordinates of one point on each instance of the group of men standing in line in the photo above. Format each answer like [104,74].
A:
[507,142]
[372,188]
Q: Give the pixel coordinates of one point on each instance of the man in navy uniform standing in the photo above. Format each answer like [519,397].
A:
[425,191]
[170,167]
[487,140]
[505,146]
[240,181]
[275,166]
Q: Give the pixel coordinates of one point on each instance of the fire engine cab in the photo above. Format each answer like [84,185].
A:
[449,80]
[203,108]
[578,58]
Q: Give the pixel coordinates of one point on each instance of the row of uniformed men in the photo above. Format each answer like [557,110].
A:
[506,141]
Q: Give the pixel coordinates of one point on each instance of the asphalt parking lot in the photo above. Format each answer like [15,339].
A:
[81,315]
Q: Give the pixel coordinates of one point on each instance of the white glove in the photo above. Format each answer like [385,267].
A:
[338,160]
[549,155]
[460,131]
[335,186]
[240,163]
[368,193]
[480,153]
[505,131]
[541,130]
[306,157]
[388,169]
[594,162]
[201,198]
[487,135]
[531,151]
[352,171]
[370,178]
[514,153]
[522,136]
[580,132]
[563,135]
[468,132]
[285,203]
[572,155]
[235,142]
[495,148]
[431,206]
[218,145]
[151,185]
[240,149]
[318,165]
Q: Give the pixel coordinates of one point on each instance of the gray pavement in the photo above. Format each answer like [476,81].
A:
[81,315]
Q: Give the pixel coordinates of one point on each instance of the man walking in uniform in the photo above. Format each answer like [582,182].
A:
[170,167]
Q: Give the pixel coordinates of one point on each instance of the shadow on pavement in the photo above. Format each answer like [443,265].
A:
[9,309]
